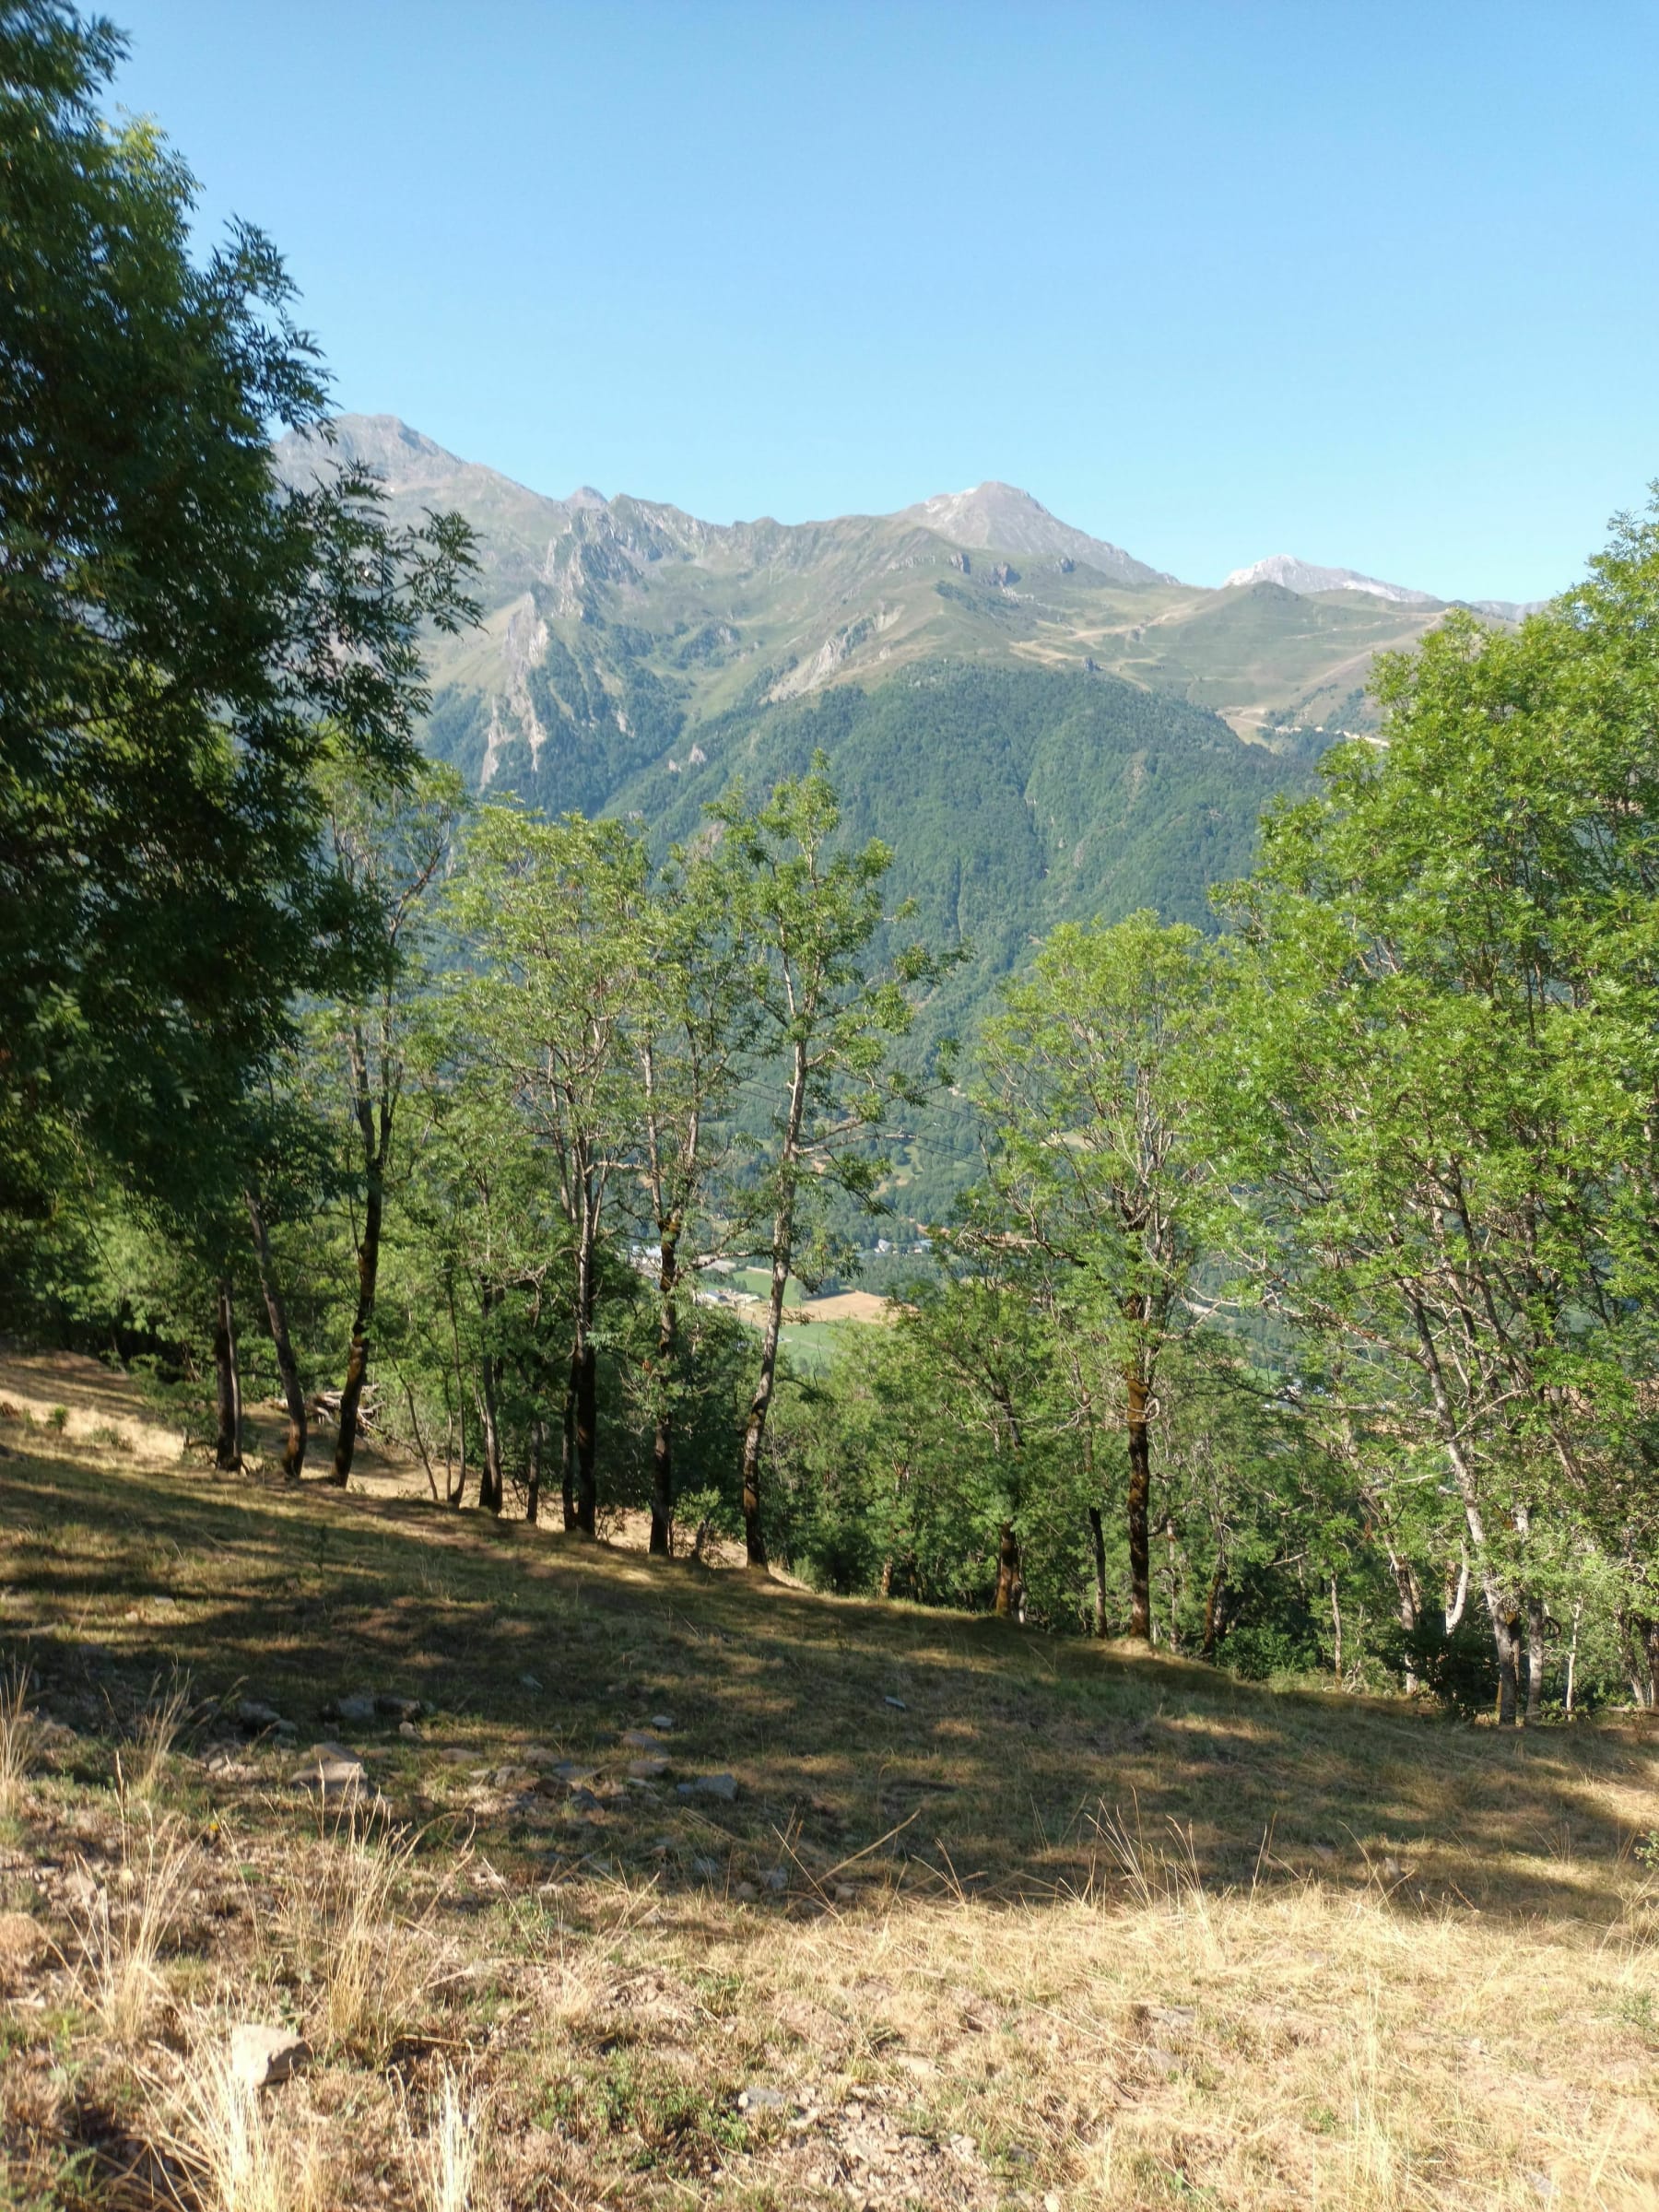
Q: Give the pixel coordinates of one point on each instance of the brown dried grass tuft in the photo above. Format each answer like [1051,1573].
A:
[19,1736]
[243,2151]
[122,1930]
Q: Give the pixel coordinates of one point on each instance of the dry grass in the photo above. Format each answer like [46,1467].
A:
[349,1923]
[1059,1925]
[444,2155]
[124,1924]
[159,1724]
[18,1738]
[245,2154]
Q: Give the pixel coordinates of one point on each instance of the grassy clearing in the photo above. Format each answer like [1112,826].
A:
[991,1921]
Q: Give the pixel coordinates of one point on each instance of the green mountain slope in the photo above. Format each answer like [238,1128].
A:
[1043,728]
[1014,799]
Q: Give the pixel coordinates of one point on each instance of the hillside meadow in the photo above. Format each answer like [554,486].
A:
[950,1914]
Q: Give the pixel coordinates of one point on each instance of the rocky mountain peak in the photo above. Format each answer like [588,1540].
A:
[1305,578]
[1002,516]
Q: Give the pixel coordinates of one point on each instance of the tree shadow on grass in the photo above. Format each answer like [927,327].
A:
[872,1744]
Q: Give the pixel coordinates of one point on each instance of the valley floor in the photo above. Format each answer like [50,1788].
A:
[879,1907]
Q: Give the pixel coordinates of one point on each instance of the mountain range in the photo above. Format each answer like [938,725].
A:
[1043,727]
[669,620]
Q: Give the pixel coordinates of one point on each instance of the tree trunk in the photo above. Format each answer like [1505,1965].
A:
[1578,1606]
[1007,1571]
[782,1252]
[457,1496]
[228,1451]
[1505,1625]
[1408,1599]
[1212,1606]
[754,1427]
[1535,1660]
[661,1444]
[584,1393]
[1140,1494]
[533,1472]
[567,1468]
[1097,1539]
[587,1487]
[1336,1632]
[490,1486]
[288,1367]
[357,1361]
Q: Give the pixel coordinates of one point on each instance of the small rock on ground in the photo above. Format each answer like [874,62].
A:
[331,1772]
[723,1786]
[759,2098]
[262,2056]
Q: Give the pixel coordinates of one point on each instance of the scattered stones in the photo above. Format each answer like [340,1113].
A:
[256,1715]
[582,1800]
[663,1723]
[707,1870]
[332,1773]
[647,1769]
[22,1941]
[357,1709]
[845,1894]
[640,1739]
[776,1878]
[408,1728]
[455,1755]
[745,1892]
[760,2098]
[509,1778]
[1392,1871]
[571,1771]
[81,1889]
[1180,2018]
[529,1682]
[723,1786]
[397,1708]
[262,2056]
[898,1704]
[1162,2061]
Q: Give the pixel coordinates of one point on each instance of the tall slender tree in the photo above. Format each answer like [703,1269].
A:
[390,847]
[827,1025]
[1090,1085]
[539,904]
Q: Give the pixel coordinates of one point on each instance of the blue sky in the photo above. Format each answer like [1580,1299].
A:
[1376,286]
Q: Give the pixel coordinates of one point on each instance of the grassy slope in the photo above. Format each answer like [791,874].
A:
[1338,1954]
